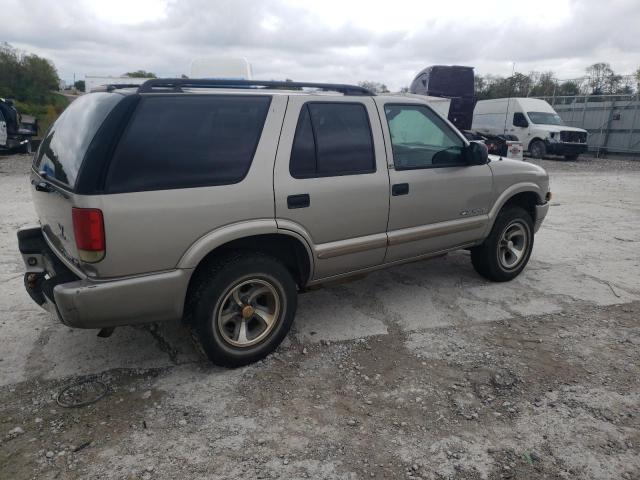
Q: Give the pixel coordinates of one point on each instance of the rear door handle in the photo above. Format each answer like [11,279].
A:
[298,201]
[400,189]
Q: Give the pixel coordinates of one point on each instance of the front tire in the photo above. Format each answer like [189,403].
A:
[538,149]
[507,249]
[242,308]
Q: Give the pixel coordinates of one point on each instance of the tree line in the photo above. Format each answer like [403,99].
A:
[26,77]
[600,79]
[32,82]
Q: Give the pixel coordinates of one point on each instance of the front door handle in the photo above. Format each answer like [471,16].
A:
[400,189]
[298,201]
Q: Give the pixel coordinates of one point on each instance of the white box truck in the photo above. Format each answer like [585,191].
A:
[534,122]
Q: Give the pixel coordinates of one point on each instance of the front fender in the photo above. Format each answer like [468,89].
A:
[508,193]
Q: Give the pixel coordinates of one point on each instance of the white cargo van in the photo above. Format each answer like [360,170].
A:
[534,122]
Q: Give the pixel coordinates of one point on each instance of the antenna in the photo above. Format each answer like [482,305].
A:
[506,115]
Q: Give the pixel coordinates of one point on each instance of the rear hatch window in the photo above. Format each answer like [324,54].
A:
[61,152]
[58,161]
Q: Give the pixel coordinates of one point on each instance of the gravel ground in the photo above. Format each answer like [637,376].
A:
[419,371]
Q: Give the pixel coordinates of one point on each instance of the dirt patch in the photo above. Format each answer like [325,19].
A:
[553,396]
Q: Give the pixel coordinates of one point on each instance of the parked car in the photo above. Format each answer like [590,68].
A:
[16,131]
[534,122]
[217,202]
[503,145]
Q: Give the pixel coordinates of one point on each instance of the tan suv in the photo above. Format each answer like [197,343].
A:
[217,201]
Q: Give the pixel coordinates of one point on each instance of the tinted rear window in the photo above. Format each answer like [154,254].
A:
[62,149]
[188,141]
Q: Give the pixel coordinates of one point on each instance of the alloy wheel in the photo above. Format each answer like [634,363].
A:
[513,244]
[248,312]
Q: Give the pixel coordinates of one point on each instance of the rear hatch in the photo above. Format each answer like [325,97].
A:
[57,164]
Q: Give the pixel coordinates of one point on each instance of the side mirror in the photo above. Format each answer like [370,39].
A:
[476,153]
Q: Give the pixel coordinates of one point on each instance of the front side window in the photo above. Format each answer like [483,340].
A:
[545,118]
[183,141]
[519,120]
[332,139]
[421,139]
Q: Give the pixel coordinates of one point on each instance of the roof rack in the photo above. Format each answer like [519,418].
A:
[114,86]
[177,85]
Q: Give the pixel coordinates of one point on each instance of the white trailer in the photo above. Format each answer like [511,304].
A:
[230,68]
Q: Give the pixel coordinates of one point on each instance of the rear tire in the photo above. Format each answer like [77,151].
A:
[507,249]
[242,308]
[538,149]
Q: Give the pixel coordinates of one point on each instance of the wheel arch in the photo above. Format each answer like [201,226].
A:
[525,195]
[533,140]
[288,247]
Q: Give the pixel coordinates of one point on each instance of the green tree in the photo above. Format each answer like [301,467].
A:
[545,85]
[570,87]
[141,74]
[26,77]
[79,85]
[602,79]
[33,82]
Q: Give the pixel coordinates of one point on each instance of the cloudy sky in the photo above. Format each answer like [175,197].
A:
[327,40]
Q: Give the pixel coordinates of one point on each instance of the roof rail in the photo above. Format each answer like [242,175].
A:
[177,84]
[114,86]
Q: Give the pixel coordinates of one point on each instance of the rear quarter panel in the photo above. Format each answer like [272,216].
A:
[151,231]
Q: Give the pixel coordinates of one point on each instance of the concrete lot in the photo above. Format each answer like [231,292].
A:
[420,371]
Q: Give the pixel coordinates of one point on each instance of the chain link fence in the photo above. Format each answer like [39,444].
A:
[613,121]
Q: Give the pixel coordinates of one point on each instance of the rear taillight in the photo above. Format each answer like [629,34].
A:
[88,228]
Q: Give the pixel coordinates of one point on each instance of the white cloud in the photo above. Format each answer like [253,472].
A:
[127,12]
[330,40]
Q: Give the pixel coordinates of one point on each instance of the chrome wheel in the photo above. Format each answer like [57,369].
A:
[512,248]
[248,312]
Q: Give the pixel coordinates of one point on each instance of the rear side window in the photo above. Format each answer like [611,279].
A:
[61,151]
[332,139]
[188,141]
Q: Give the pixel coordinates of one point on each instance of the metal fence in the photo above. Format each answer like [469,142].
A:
[613,121]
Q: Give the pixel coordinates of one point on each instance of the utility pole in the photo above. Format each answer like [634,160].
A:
[506,115]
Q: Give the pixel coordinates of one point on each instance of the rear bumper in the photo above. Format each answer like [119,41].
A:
[560,148]
[87,303]
[541,213]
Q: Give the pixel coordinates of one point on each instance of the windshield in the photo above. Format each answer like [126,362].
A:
[545,118]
